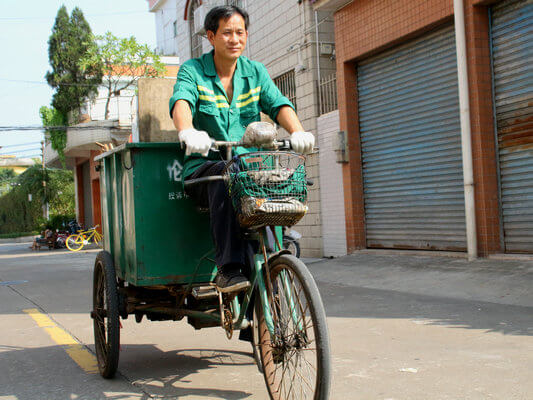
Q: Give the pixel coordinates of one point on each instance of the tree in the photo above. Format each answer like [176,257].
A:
[58,137]
[67,45]
[7,176]
[122,61]
[20,214]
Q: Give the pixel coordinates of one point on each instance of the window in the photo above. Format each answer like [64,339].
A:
[175,28]
[237,3]
[196,40]
[286,83]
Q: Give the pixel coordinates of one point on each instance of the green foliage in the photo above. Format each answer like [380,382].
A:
[68,43]
[58,137]
[60,192]
[7,178]
[122,61]
[58,222]
[7,174]
[18,214]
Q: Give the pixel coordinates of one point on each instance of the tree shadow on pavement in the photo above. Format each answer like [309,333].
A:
[358,302]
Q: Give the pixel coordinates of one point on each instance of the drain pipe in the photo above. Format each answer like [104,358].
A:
[319,78]
[466,135]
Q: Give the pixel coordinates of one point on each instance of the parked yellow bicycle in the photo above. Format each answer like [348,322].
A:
[76,241]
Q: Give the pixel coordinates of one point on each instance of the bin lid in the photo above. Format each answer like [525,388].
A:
[139,145]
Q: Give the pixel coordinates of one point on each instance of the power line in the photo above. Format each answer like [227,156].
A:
[22,19]
[18,145]
[42,128]
[44,83]
[103,84]
[37,155]
[21,151]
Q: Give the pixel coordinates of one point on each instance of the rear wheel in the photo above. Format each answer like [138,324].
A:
[75,242]
[106,315]
[296,358]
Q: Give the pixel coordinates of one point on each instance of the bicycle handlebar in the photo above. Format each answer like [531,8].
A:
[283,144]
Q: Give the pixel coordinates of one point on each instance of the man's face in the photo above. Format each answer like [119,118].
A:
[230,39]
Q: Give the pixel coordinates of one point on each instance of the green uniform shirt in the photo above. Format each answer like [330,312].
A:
[253,91]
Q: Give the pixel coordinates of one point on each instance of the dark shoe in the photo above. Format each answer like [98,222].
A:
[230,279]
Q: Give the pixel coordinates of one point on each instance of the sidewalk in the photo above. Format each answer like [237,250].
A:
[21,239]
[502,280]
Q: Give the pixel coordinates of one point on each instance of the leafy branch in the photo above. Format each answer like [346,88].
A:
[122,61]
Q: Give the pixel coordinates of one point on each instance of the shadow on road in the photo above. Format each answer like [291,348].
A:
[358,302]
[144,372]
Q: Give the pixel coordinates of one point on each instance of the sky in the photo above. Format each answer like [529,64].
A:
[25,27]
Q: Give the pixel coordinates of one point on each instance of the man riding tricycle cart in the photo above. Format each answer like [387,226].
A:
[166,259]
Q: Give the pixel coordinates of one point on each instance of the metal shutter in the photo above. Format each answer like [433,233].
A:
[411,146]
[512,55]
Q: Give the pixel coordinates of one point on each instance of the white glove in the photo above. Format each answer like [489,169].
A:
[302,142]
[195,141]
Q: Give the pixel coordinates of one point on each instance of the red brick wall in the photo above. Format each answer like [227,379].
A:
[95,188]
[367,27]
[79,189]
[482,127]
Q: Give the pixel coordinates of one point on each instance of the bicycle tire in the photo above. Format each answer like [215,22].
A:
[105,315]
[292,245]
[75,242]
[301,339]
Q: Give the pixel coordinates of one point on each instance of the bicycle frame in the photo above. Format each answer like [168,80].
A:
[93,233]
[258,283]
[257,278]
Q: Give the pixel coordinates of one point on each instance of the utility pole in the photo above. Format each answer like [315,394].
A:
[45,203]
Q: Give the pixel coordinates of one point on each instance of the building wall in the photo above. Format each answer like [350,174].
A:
[364,28]
[155,124]
[167,43]
[282,36]
[87,196]
[332,191]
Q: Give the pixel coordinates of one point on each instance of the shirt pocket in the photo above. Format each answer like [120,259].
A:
[209,109]
[248,115]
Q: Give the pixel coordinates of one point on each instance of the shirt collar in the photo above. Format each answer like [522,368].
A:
[210,70]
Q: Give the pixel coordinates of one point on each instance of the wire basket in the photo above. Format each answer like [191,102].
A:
[267,188]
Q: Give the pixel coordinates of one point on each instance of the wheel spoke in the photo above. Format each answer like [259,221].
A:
[292,362]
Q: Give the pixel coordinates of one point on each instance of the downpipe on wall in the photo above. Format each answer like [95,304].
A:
[466,134]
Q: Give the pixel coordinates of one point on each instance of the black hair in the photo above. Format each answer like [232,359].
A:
[213,17]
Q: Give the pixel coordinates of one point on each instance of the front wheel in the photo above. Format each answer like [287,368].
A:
[296,357]
[75,242]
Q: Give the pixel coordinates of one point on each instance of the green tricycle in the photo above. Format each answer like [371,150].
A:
[158,262]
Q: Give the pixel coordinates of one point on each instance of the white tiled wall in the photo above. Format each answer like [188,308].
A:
[331,193]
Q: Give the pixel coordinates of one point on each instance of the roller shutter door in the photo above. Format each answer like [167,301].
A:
[512,56]
[411,146]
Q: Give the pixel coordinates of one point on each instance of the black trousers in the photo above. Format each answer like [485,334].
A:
[230,246]
[225,229]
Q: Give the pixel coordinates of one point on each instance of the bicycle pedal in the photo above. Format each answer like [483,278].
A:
[204,292]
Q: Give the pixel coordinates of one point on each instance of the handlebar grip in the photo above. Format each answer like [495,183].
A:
[284,144]
[205,179]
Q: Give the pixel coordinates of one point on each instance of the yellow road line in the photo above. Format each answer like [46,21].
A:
[81,356]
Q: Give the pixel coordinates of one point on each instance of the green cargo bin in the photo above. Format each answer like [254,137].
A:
[153,231]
